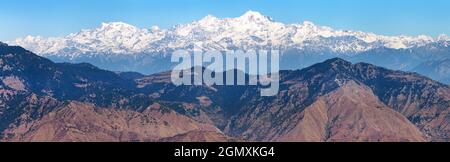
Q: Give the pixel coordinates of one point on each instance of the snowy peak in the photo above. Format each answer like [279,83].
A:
[254,16]
[119,27]
[116,25]
[308,23]
[113,29]
[208,20]
[114,37]
[252,30]
[443,37]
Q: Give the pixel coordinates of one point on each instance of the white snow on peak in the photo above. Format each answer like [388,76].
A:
[154,28]
[251,13]
[443,37]
[208,20]
[254,16]
[252,30]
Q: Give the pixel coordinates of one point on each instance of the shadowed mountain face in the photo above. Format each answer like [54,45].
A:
[331,101]
[33,74]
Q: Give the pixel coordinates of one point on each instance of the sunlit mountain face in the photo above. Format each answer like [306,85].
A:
[118,46]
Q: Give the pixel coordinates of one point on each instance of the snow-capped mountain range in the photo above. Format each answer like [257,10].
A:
[252,30]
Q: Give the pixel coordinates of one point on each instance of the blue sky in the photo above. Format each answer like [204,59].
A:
[19,18]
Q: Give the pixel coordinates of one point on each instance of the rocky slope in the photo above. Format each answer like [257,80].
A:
[44,101]
[392,94]
[84,122]
[200,136]
[341,116]
[330,101]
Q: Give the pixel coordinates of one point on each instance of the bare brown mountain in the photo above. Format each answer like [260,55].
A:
[341,116]
[200,136]
[422,101]
[330,101]
[84,122]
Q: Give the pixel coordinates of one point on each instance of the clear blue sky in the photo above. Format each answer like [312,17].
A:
[19,18]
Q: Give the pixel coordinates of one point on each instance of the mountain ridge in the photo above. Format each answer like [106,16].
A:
[370,103]
[252,30]
[436,69]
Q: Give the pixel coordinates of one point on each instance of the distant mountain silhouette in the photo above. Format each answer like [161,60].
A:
[437,69]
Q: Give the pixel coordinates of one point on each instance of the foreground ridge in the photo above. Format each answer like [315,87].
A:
[334,100]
